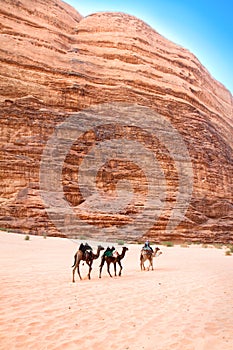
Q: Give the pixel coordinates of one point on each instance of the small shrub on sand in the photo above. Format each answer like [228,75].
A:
[27,238]
[230,247]
[204,245]
[120,242]
[218,245]
[184,245]
[168,244]
[228,252]
[83,238]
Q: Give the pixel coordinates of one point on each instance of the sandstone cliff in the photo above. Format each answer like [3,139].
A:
[54,62]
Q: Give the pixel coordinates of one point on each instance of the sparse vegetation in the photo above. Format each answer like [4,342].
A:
[82,237]
[204,245]
[168,243]
[228,252]
[27,238]
[230,247]
[120,242]
[218,245]
[184,245]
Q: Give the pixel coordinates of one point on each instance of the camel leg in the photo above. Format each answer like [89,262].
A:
[142,263]
[101,266]
[108,268]
[74,274]
[120,268]
[79,270]
[90,268]
[74,265]
[115,268]
[151,264]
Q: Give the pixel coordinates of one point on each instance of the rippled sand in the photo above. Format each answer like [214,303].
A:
[186,303]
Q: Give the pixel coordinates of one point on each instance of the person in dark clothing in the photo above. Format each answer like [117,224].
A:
[147,246]
[84,247]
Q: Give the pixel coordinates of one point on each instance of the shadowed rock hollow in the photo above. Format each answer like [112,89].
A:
[54,62]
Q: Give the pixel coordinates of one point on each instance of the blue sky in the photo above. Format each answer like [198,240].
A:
[204,27]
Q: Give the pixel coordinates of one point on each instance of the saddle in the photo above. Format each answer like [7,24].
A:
[108,253]
[88,253]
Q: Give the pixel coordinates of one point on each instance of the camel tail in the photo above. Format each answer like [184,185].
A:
[75,259]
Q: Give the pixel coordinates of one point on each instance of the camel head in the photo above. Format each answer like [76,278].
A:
[124,249]
[157,252]
[99,248]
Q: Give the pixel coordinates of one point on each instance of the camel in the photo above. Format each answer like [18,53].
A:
[147,254]
[114,260]
[85,253]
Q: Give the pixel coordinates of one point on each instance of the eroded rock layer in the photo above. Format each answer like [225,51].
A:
[54,62]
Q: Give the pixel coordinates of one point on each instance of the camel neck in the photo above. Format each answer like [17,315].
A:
[122,254]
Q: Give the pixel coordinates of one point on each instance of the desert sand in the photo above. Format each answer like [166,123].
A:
[186,303]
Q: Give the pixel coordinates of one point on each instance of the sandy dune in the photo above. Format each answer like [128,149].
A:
[185,304]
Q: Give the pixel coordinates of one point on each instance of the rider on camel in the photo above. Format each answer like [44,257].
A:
[147,246]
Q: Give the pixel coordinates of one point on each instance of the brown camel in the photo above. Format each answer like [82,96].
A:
[85,253]
[147,254]
[113,260]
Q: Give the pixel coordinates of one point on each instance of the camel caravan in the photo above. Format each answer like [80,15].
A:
[111,256]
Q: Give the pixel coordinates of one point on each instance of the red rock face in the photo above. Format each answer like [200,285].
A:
[55,63]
